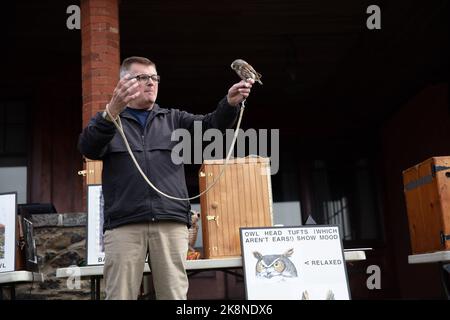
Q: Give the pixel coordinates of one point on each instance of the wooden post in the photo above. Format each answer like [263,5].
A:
[100,49]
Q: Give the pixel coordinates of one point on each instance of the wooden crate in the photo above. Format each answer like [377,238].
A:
[427,193]
[94,171]
[242,197]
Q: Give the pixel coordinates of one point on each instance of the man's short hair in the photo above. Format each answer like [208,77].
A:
[130,60]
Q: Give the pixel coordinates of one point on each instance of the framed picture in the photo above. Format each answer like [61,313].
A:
[294,263]
[94,241]
[8,205]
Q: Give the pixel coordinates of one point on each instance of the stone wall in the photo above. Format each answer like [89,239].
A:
[60,242]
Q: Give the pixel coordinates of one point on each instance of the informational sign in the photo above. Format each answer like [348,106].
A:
[8,204]
[95,237]
[294,263]
[94,242]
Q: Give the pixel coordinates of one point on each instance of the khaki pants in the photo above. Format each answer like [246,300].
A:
[125,251]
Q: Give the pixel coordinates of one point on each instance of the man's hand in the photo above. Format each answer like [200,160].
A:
[239,92]
[125,91]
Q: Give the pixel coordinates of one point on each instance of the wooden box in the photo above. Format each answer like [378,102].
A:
[242,197]
[427,193]
[94,171]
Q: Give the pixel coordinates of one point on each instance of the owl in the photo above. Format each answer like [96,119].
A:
[193,233]
[193,230]
[245,71]
[275,265]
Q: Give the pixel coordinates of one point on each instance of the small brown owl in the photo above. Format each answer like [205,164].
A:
[245,71]
[193,230]
[192,254]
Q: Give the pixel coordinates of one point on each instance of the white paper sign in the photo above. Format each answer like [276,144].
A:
[294,263]
[95,247]
[95,237]
[7,231]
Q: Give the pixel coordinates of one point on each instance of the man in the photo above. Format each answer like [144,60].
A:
[137,219]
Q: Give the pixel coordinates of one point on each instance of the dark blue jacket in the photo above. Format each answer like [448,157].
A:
[128,197]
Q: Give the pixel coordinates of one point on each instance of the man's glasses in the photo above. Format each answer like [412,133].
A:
[145,78]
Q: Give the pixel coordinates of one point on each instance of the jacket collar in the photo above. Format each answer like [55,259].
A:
[155,110]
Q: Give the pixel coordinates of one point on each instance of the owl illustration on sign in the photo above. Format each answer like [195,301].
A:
[275,265]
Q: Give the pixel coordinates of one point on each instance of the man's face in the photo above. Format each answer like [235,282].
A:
[149,91]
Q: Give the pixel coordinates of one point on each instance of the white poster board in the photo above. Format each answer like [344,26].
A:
[8,204]
[94,241]
[294,263]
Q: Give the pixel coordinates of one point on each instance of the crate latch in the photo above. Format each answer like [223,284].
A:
[435,169]
[213,218]
[444,237]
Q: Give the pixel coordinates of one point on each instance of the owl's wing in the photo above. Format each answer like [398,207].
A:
[242,73]
[250,68]
[248,72]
